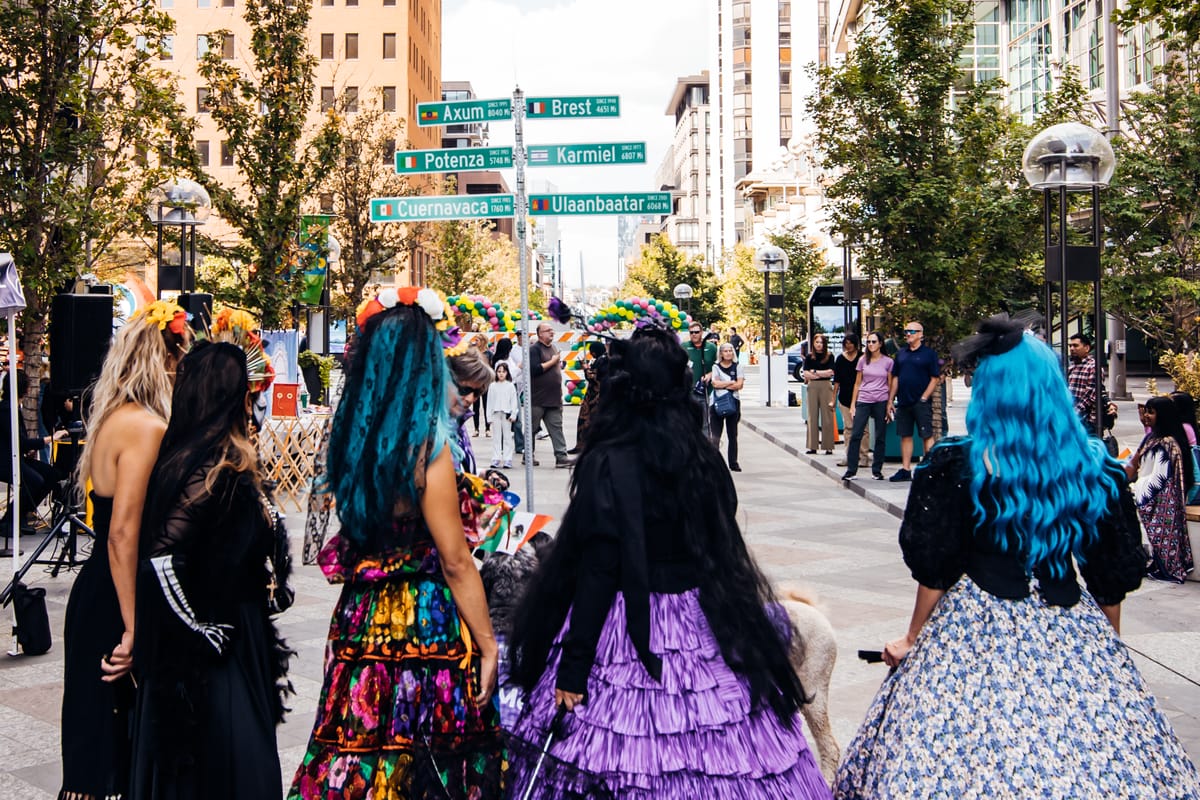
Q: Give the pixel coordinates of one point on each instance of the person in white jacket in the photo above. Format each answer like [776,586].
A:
[502,410]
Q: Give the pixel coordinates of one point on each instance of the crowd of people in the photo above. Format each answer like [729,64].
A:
[648,646]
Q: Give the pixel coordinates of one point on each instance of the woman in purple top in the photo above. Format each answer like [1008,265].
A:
[871,400]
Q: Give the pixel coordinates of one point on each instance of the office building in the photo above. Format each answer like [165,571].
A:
[686,171]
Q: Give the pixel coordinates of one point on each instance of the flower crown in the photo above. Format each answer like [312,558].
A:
[431,301]
[237,327]
[165,315]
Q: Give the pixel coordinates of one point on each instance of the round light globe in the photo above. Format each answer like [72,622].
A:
[1071,155]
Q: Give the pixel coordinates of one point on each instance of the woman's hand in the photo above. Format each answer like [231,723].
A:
[489,668]
[895,651]
[568,699]
[119,662]
[890,414]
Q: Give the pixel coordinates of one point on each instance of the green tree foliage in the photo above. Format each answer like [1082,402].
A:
[662,266]
[460,254]
[262,110]
[82,101]
[742,291]
[1175,19]
[1152,208]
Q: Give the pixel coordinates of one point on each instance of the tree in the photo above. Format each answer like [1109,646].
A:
[1178,20]
[742,289]
[457,266]
[82,105]
[262,112]
[662,266]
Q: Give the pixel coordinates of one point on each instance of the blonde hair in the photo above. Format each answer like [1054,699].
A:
[136,370]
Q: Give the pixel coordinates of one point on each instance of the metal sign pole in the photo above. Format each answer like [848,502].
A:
[521,214]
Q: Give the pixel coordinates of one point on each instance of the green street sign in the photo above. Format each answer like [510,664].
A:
[573,107]
[463,206]
[561,155]
[464,159]
[458,112]
[549,205]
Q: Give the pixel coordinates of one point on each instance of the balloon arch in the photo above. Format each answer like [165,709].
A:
[488,311]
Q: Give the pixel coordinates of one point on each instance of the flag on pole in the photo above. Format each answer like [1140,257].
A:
[537,108]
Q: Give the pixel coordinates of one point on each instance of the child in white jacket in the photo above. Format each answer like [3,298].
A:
[502,410]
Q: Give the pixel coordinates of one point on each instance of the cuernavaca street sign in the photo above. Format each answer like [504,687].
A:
[561,155]
[419,209]
[464,159]
[547,205]
[458,112]
[572,107]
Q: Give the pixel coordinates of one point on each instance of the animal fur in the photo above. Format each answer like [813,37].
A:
[815,671]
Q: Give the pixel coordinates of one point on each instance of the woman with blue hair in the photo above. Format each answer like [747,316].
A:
[1011,681]
[406,707]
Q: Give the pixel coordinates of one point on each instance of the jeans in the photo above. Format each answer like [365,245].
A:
[502,437]
[863,412]
[730,424]
[552,416]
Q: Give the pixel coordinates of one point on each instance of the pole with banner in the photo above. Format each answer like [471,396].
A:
[521,212]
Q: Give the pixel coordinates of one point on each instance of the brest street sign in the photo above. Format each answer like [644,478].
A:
[457,112]
[572,107]
[463,206]
[563,155]
[462,159]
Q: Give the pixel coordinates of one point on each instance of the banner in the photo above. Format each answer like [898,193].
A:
[314,244]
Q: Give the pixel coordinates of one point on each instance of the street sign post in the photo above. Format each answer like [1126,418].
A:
[453,159]
[457,112]
[549,205]
[562,155]
[573,107]
[420,209]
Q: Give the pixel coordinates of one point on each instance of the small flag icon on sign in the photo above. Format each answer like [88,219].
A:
[410,162]
[540,204]
[429,115]
[537,108]
[539,156]
[383,210]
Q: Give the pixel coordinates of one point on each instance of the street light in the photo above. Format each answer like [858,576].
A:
[767,260]
[683,292]
[1060,160]
[186,204]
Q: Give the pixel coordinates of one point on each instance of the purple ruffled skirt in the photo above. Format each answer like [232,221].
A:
[693,735]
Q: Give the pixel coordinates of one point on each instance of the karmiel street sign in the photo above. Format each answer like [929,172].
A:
[561,155]
[458,112]
[419,209]
[549,205]
[573,107]
[464,159]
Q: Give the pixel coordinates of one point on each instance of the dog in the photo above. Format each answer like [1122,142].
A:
[815,670]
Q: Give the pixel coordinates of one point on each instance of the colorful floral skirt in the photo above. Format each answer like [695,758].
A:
[396,717]
[691,736]
[1015,699]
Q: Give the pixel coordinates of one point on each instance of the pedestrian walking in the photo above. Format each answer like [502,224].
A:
[130,404]
[502,410]
[726,404]
[818,378]
[1011,681]
[870,401]
[651,608]
[915,377]
[845,375]
[1163,473]
[701,355]
[480,343]
[1081,378]
[545,372]
[738,342]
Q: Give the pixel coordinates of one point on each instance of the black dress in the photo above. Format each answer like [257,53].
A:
[95,714]
[209,661]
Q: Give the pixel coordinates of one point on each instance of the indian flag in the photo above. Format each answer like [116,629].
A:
[537,108]
[540,204]
[409,162]
[429,115]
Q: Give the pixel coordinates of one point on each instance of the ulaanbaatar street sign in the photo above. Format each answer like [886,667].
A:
[569,107]
[465,159]
[548,205]
[561,155]
[463,206]
[456,112]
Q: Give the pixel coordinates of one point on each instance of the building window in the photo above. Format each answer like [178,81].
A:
[227,46]
[351,45]
[351,99]
[327,46]
[202,151]
[203,3]
[226,154]
[389,151]
[327,98]
[389,2]
[226,3]
[201,46]
[351,2]
[139,155]
[166,3]
[326,203]
[389,98]
[202,106]
[327,3]
[168,48]
[389,45]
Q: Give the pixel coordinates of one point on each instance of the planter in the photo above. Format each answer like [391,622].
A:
[312,380]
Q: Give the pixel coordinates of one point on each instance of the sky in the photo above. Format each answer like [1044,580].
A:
[635,49]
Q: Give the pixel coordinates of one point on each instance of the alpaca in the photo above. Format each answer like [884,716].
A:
[815,671]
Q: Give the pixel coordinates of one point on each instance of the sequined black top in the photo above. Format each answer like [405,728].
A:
[941,541]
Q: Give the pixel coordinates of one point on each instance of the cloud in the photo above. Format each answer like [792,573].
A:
[635,49]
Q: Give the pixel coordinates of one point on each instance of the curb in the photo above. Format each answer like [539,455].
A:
[855,487]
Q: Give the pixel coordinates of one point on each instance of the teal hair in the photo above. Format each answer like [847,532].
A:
[1049,482]
[391,422]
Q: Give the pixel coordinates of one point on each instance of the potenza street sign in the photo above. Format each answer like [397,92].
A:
[465,159]
[548,205]
[459,112]
[419,209]
[562,155]
[573,107]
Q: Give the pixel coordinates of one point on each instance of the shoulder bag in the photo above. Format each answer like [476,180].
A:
[727,404]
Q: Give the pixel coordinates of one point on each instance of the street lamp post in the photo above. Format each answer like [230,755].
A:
[767,260]
[1064,159]
[186,204]
[683,292]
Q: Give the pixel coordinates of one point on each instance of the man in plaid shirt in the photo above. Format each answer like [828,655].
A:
[1081,378]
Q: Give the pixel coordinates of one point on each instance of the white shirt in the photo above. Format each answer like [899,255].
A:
[502,397]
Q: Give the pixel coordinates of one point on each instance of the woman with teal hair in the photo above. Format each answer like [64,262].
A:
[406,708]
[1012,681]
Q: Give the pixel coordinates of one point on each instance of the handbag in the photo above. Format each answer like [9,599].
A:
[726,404]
[280,595]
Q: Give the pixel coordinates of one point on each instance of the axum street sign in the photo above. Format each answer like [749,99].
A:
[419,209]
[465,159]
[573,107]
[559,155]
[548,205]
[463,111]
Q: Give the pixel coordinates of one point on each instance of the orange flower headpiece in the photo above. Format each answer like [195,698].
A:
[431,301]
[164,315]
[238,328]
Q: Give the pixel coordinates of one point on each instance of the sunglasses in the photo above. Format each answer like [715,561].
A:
[464,391]
[873,341]
[911,331]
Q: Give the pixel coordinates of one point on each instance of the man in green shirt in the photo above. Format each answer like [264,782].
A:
[702,354]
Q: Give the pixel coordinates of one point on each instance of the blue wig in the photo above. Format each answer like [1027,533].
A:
[1039,482]
[391,422]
